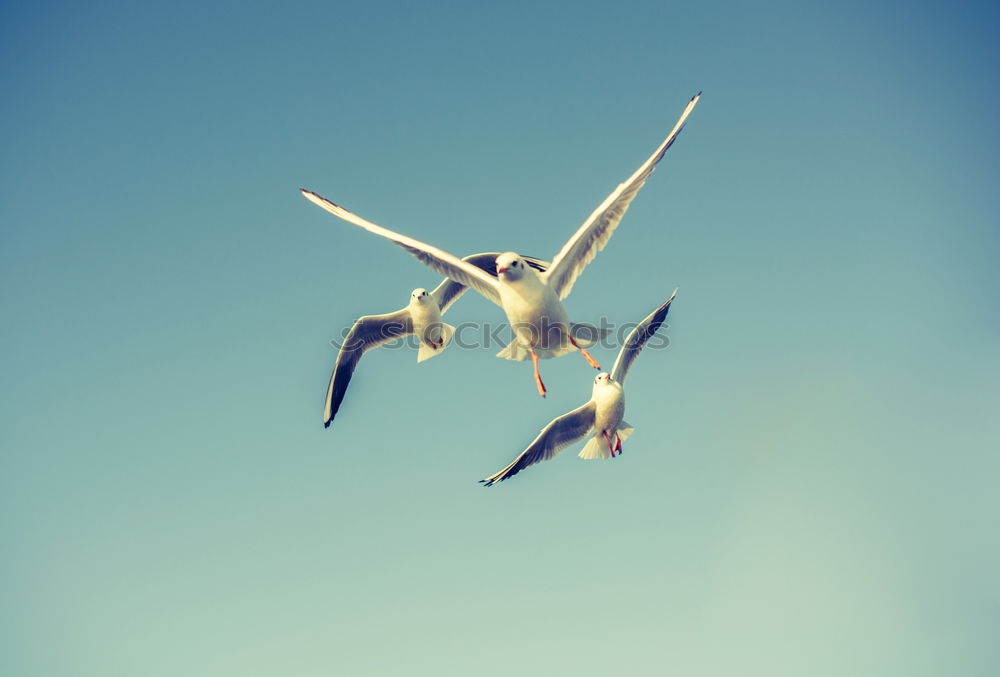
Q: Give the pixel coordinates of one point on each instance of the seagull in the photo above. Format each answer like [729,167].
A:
[531,300]
[602,414]
[421,316]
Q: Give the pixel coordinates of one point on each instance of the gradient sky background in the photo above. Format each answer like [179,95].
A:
[812,487]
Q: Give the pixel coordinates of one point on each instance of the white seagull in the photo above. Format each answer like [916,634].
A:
[603,413]
[422,316]
[533,301]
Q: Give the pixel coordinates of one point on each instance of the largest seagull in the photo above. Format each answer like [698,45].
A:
[532,301]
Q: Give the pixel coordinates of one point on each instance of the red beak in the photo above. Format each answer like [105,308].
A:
[501,270]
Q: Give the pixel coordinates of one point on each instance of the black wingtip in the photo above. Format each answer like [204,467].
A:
[309,194]
[538,264]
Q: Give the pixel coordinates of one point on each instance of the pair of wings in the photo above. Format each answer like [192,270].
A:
[580,250]
[372,331]
[573,426]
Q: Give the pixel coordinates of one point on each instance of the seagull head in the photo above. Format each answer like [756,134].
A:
[510,266]
[602,379]
[419,295]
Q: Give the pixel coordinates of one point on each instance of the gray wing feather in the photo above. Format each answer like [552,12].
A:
[558,434]
[637,340]
[596,231]
[368,332]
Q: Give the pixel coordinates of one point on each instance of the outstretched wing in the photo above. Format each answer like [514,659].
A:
[558,434]
[448,291]
[637,339]
[437,259]
[368,332]
[596,231]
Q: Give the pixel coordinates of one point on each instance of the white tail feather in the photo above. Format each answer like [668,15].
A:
[597,446]
[428,351]
[514,351]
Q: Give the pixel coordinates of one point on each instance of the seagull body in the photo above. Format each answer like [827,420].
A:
[534,311]
[425,318]
[609,410]
[527,302]
[603,414]
[421,316]
[531,301]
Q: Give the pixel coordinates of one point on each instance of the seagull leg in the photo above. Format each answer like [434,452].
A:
[538,377]
[590,360]
[618,443]
[607,438]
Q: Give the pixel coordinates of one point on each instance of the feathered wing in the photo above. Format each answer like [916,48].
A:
[437,259]
[448,291]
[596,231]
[372,331]
[637,340]
[558,434]
[368,332]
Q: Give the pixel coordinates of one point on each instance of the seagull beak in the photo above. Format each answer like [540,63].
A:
[503,269]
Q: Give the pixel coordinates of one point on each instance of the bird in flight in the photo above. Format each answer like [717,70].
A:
[421,316]
[531,300]
[603,413]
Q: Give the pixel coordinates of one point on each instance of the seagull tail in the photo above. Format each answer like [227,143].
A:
[597,446]
[514,351]
[427,350]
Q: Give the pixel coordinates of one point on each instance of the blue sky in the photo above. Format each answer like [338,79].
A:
[811,488]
